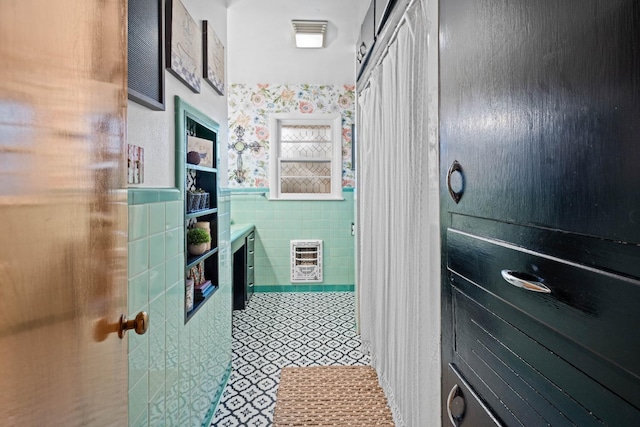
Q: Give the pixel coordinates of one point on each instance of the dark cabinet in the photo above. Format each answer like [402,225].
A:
[366,40]
[382,11]
[243,270]
[540,112]
[539,357]
[373,24]
[462,405]
[540,198]
[250,264]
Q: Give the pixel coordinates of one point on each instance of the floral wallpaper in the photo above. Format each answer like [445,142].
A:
[249,110]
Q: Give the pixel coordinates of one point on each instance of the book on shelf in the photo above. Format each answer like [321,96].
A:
[204,289]
[209,291]
[202,286]
[202,295]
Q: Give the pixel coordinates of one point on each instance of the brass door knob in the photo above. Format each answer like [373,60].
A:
[140,324]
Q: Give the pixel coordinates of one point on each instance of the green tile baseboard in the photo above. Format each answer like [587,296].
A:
[266,189]
[207,419]
[304,288]
[141,196]
[240,190]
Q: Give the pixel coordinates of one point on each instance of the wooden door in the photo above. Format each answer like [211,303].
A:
[63,212]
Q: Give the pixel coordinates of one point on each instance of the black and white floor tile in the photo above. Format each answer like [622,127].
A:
[277,330]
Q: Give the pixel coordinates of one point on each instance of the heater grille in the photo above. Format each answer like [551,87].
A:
[306,261]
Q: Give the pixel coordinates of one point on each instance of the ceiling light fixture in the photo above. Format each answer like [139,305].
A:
[309,34]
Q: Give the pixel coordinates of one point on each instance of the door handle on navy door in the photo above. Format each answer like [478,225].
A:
[525,281]
[455,405]
[455,181]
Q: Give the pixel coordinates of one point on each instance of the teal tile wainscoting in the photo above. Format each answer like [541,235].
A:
[278,222]
[177,371]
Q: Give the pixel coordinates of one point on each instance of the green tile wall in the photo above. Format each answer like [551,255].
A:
[278,222]
[176,371]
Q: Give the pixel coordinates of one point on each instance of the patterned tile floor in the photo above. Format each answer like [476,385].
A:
[278,330]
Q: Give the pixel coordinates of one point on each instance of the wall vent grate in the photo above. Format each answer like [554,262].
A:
[306,261]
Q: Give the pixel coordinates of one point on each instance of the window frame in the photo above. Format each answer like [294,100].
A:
[312,119]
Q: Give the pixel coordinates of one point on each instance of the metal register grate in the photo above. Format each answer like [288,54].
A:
[306,261]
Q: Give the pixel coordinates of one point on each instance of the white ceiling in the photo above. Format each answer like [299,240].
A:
[321,6]
[261,46]
[341,14]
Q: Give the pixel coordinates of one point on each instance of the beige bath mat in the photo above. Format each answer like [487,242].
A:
[331,396]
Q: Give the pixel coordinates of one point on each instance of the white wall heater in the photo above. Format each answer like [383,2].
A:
[306,261]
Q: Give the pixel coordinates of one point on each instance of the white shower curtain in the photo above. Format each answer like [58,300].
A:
[398,221]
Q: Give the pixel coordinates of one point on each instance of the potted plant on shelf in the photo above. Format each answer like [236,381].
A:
[197,239]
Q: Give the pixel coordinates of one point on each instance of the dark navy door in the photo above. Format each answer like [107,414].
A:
[540,203]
